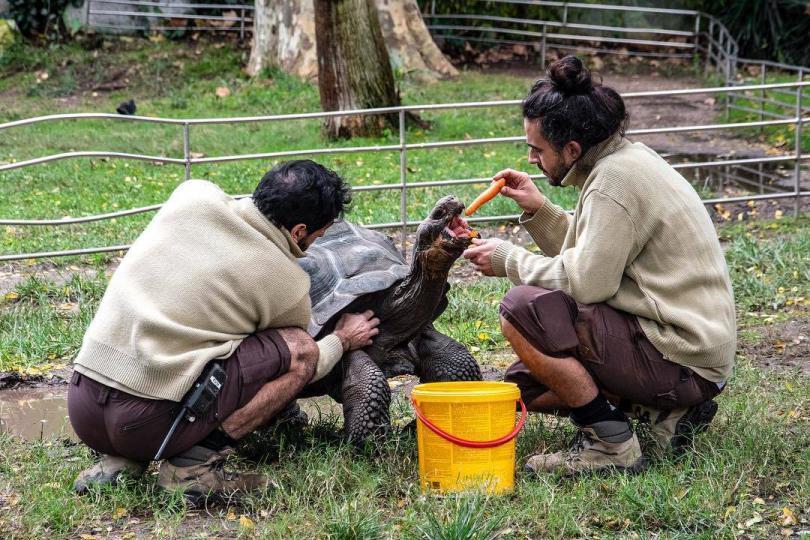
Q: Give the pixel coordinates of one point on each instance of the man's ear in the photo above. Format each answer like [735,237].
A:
[298,232]
[572,151]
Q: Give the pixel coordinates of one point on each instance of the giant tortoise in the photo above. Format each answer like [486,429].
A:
[353,269]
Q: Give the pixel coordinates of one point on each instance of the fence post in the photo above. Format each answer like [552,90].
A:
[242,25]
[186,150]
[762,103]
[403,171]
[709,46]
[543,50]
[797,168]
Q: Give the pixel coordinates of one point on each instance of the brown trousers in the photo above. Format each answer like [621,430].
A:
[117,423]
[610,345]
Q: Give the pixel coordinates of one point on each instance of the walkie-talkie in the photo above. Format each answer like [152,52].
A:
[203,395]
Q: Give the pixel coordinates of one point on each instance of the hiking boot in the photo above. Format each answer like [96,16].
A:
[602,446]
[675,429]
[200,473]
[108,471]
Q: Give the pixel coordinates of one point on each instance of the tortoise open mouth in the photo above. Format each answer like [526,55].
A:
[457,227]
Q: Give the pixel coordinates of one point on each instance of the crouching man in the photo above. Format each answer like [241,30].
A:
[211,279]
[630,303]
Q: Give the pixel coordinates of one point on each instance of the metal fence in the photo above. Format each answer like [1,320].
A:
[187,161]
[163,16]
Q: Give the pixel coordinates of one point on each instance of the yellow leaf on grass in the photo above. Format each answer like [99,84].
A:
[231,515]
[478,324]
[729,510]
[483,336]
[778,214]
[788,517]
[223,91]
[119,512]
[245,522]
[87,537]
[11,296]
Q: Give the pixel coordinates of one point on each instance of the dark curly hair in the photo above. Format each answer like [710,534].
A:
[302,191]
[572,107]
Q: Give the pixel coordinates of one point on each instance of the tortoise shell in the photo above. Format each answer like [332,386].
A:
[346,263]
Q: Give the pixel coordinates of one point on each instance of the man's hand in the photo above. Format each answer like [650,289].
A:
[355,330]
[520,188]
[481,254]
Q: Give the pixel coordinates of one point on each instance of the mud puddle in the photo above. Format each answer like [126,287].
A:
[41,413]
[34,413]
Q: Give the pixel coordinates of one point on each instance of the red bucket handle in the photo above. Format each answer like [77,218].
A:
[471,444]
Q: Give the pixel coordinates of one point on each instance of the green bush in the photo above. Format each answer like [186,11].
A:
[41,19]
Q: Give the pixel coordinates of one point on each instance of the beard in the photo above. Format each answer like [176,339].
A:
[557,174]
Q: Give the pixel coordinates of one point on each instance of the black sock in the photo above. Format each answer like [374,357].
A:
[597,410]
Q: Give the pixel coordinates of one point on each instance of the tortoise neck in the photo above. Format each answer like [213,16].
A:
[426,280]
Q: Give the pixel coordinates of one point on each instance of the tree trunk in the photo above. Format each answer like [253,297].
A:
[354,70]
[284,36]
[409,43]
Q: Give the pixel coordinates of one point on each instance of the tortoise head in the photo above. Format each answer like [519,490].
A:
[444,235]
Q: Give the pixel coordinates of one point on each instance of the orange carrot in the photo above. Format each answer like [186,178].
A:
[486,196]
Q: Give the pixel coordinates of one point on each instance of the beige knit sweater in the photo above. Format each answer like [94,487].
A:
[206,272]
[640,240]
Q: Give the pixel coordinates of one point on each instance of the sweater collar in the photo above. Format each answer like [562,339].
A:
[280,236]
[578,174]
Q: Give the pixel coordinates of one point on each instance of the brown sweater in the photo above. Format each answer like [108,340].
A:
[641,241]
[206,272]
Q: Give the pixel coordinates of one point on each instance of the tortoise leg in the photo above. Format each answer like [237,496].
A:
[442,358]
[366,397]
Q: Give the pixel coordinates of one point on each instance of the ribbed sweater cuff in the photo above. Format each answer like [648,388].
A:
[331,351]
[499,257]
[545,222]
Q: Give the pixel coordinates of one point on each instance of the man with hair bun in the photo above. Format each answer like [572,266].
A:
[629,308]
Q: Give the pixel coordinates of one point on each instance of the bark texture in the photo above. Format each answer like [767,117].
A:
[284,36]
[354,70]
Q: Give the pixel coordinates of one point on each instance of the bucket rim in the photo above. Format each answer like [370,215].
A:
[466,391]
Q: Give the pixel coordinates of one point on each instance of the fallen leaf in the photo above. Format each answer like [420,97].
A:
[119,512]
[245,522]
[788,517]
[759,500]
[223,91]
[778,214]
[231,516]
[754,520]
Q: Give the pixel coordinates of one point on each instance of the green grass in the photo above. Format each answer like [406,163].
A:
[780,137]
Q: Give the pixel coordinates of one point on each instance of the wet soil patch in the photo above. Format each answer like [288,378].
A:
[782,347]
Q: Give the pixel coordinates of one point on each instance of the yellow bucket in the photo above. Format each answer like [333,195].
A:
[466,435]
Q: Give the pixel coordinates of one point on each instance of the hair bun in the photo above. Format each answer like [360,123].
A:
[569,76]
